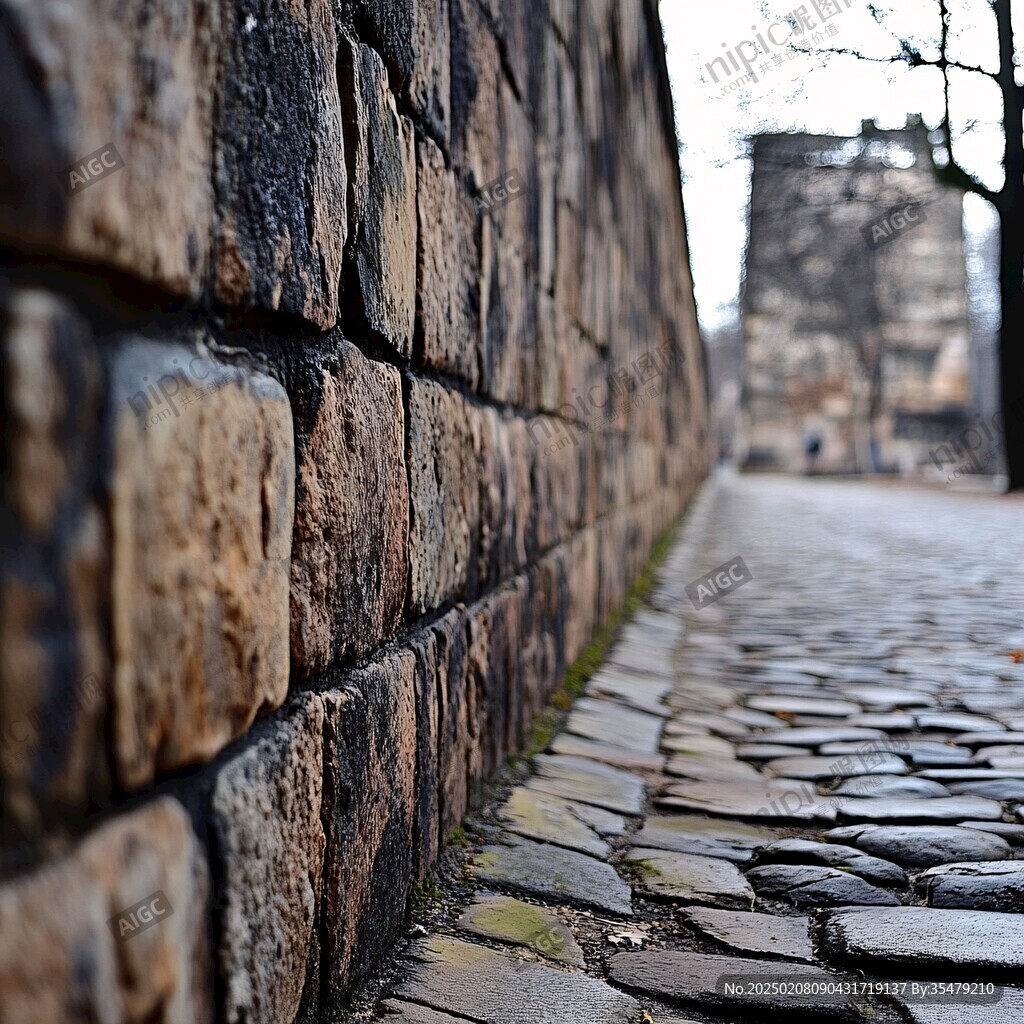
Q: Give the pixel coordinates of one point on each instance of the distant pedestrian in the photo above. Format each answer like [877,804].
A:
[812,449]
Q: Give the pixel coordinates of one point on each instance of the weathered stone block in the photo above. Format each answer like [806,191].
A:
[369,810]
[429,86]
[280,175]
[380,279]
[349,559]
[266,811]
[71,951]
[448,335]
[138,75]
[54,675]
[202,496]
[444,494]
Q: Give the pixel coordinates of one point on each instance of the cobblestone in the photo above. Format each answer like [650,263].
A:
[854,714]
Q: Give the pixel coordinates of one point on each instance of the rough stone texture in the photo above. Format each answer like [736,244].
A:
[381,250]
[921,846]
[550,820]
[55,673]
[349,553]
[576,778]
[984,885]
[203,498]
[684,833]
[59,957]
[280,191]
[816,886]
[267,818]
[805,851]
[523,924]
[549,871]
[918,937]
[784,937]
[152,94]
[369,810]
[670,875]
[695,978]
[497,988]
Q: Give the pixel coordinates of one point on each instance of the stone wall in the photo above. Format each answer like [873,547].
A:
[350,372]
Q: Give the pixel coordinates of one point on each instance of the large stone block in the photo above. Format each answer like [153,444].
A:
[350,564]
[429,86]
[369,811]
[444,494]
[54,674]
[281,173]
[380,278]
[448,333]
[266,811]
[138,76]
[115,932]
[202,501]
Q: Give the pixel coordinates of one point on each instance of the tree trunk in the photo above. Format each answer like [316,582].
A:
[1011,348]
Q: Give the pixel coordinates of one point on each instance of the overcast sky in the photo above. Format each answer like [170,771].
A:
[814,92]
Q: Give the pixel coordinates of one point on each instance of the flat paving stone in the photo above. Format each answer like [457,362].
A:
[604,823]
[831,767]
[807,851]
[1006,1008]
[922,846]
[824,706]
[713,722]
[751,718]
[763,751]
[891,785]
[767,800]
[988,738]
[813,885]
[968,774]
[699,746]
[507,919]
[609,753]
[554,873]
[815,736]
[889,698]
[589,782]
[981,885]
[945,808]
[952,721]
[607,722]
[640,657]
[685,833]
[493,987]
[700,980]
[712,769]
[550,819]
[994,789]
[747,932]
[887,721]
[667,874]
[640,692]
[395,1011]
[922,938]
[1013,834]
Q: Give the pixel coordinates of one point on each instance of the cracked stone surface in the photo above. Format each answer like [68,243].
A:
[824,785]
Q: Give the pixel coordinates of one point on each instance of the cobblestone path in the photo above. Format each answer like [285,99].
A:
[804,801]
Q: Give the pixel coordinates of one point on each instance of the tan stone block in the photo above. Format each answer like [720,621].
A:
[448,336]
[444,494]
[75,946]
[266,812]
[202,501]
[134,74]
[380,278]
[349,560]
[370,806]
[281,190]
[55,672]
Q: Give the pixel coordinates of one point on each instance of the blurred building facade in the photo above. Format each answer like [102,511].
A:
[856,337]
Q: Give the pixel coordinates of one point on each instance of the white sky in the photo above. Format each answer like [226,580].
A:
[814,92]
